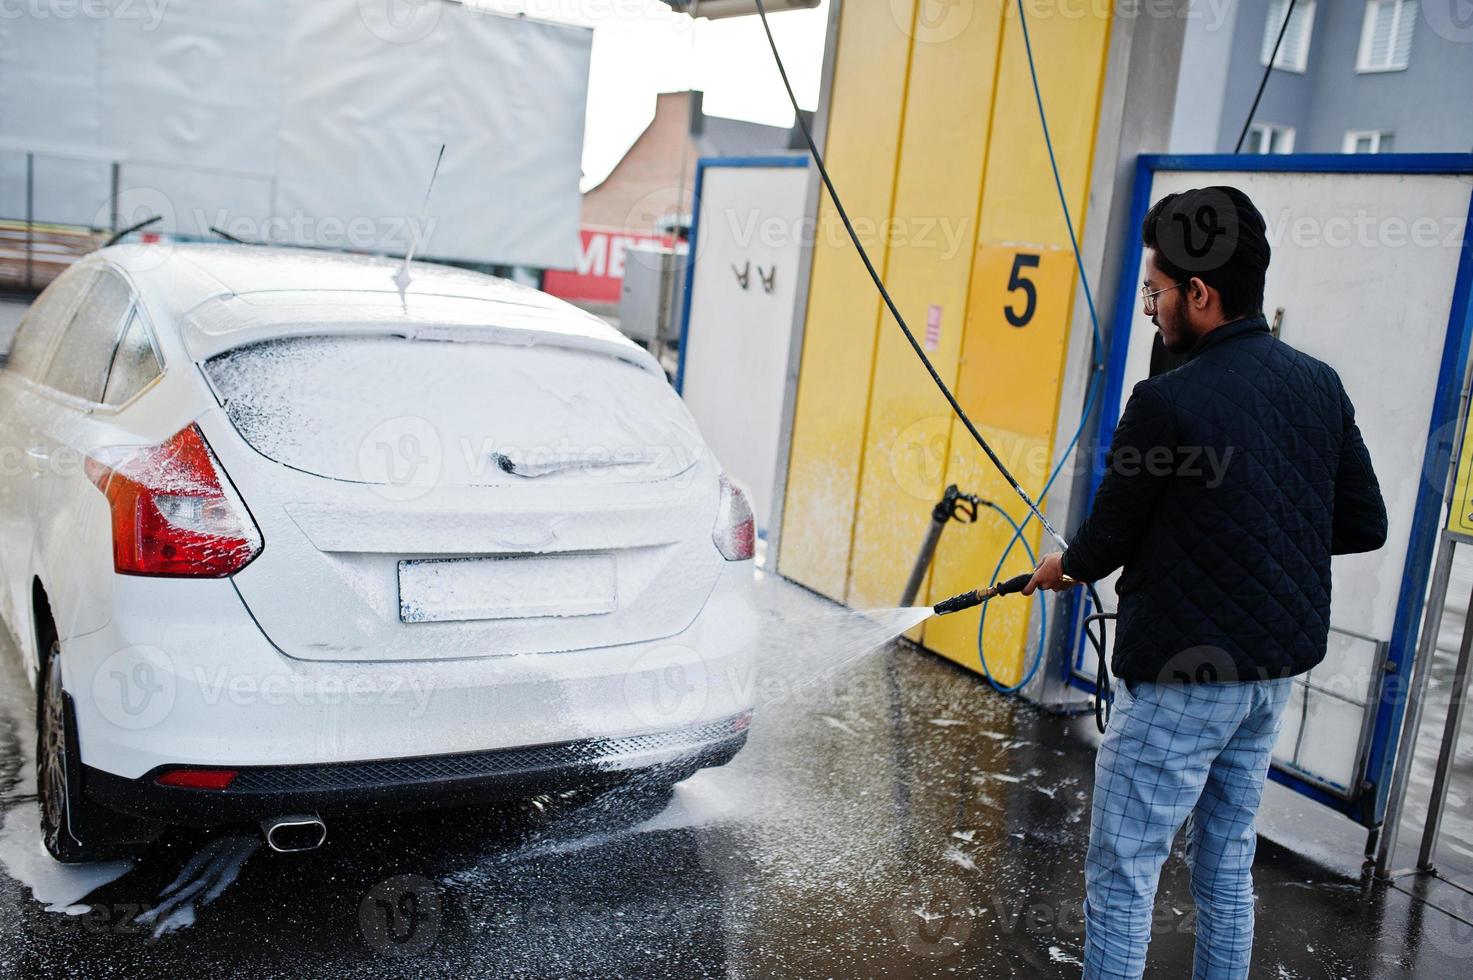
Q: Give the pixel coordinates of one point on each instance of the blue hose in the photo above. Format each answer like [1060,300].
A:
[1042,610]
[1091,394]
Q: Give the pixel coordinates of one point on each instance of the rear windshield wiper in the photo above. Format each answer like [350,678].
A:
[229,237]
[544,465]
[132,228]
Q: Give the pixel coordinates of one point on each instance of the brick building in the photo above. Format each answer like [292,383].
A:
[654,180]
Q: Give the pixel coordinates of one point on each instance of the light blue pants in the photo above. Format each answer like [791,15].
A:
[1173,752]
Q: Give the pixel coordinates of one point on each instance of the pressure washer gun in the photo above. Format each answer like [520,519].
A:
[1015,584]
[978,596]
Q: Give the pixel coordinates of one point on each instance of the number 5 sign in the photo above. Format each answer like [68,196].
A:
[1013,351]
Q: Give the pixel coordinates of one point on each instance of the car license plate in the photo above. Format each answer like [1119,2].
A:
[462,589]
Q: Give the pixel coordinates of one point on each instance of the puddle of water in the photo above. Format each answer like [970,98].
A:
[60,887]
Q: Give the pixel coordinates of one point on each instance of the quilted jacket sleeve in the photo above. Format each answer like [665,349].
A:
[1136,471]
[1359,521]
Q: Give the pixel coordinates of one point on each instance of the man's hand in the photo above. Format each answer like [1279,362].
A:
[1049,575]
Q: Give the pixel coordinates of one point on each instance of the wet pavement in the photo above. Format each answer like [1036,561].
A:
[890,816]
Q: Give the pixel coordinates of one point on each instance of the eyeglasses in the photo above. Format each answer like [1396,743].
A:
[1148,296]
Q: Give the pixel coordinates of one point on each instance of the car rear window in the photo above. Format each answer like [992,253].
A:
[418,413]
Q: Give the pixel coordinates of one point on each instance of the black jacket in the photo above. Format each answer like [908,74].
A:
[1229,484]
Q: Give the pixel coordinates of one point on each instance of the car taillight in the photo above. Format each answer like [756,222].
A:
[173,511]
[736,527]
[197,778]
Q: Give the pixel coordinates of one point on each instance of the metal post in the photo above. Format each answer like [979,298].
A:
[928,551]
[803,279]
[1438,800]
[1421,665]
[117,181]
[30,219]
[1416,695]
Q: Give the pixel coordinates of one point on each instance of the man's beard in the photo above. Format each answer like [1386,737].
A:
[1180,339]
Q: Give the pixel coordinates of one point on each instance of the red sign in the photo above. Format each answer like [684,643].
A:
[600,272]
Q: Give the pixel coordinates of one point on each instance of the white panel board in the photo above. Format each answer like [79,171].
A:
[736,349]
[298,122]
[1364,268]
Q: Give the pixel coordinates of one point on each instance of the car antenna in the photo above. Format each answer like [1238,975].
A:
[401,278]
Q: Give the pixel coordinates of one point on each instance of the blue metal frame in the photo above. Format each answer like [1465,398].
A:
[794,160]
[1367,803]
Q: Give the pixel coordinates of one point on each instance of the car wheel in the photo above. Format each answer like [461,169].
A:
[73,828]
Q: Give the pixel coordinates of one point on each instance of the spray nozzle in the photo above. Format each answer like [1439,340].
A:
[978,596]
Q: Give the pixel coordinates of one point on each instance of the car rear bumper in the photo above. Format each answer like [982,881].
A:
[182,676]
[261,792]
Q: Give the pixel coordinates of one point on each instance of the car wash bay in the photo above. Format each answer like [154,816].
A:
[886,819]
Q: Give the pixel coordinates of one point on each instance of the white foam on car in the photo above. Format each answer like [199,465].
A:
[368,409]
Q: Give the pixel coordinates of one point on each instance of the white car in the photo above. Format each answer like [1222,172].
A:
[280,539]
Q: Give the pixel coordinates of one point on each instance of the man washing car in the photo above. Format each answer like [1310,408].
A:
[1225,593]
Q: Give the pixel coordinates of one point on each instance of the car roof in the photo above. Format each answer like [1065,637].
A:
[174,279]
[226,295]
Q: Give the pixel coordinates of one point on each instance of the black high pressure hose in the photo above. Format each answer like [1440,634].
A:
[1102,681]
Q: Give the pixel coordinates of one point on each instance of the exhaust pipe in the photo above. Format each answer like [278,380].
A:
[292,835]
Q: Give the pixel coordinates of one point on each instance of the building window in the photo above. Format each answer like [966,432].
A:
[1268,138]
[1386,35]
[1294,51]
[1369,141]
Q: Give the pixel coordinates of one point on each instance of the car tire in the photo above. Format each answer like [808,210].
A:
[73,828]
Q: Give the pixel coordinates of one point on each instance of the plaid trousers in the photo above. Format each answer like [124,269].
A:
[1173,752]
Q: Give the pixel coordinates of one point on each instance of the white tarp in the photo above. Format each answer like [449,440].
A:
[310,122]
